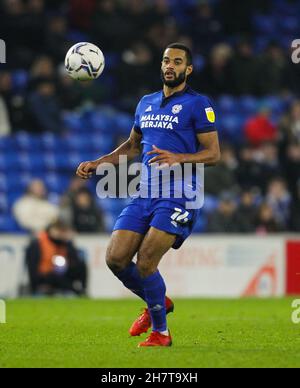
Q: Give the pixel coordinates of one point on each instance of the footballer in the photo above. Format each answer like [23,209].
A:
[173,126]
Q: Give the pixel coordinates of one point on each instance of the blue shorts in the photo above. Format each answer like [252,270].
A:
[163,214]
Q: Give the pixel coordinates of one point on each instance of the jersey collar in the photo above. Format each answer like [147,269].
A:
[165,100]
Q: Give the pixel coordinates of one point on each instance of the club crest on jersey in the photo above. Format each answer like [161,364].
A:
[176,109]
[210,114]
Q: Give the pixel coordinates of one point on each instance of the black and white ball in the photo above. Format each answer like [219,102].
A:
[84,61]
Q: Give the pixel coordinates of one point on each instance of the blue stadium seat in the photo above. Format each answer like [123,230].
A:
[60,145]
[227,104]
[283,8]
[201,224]
[10,162]
[3,182]
[77,142]
[27,142]
[232,128]
[9,225]
[248,105]
[285,41]
[6,144]
[113,206]
[210,203]
[60,162]
[102,121]
[56,183]
[75,159]
[102,143]
[261,42]
[289,24]
[18,181]
[124,123]
[112,60]
[109,222]
[4,206]
[12,197]
[73,121]
[49,141]
[77,36]
[19,80]
[274,103]
[264,24]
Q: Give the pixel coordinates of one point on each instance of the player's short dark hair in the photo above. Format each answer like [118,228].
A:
[186,49]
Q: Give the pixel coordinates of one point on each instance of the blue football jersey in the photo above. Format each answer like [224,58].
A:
[172,123]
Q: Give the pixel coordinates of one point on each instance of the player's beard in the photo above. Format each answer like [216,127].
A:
[178,80]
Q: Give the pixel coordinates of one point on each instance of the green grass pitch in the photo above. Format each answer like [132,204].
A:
[94,333]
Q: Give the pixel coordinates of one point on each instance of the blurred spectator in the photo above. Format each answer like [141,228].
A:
[5,127]
[292,167]
[23,27]
[138,66]
[69,91]
[290,124]
[107,26]
[244,67]
[43,66]
[233,24]
[295,211]
[35,25]
[246,212]
[160,10]
[13,103]
[43,108]
[33,211]
[86,216]
[222,177]
[158,36]
[81,13]
[292,74]
[68,198]
[249,169]
[139,17]
[54,264]
[57,43]
[268,164]
[224,219]
[266,221]
[259,129]
[73,94]
[13,26]
[216,76]
[279,199]
[257,166]
[205,26]
[271,70]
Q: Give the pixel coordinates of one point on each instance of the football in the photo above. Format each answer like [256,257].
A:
[84,61]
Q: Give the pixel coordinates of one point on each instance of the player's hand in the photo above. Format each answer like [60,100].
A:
[86,169]
[164,157]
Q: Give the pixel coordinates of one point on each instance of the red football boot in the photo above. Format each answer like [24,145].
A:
[143,323]
[157,339]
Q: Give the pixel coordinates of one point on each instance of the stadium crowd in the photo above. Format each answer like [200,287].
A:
[242,59]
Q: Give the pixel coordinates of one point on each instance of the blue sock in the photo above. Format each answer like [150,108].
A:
[132,280]
[155,292]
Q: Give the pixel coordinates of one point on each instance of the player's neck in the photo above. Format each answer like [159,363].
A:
[169,91]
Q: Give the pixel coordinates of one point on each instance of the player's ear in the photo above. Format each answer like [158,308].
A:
[189,69]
